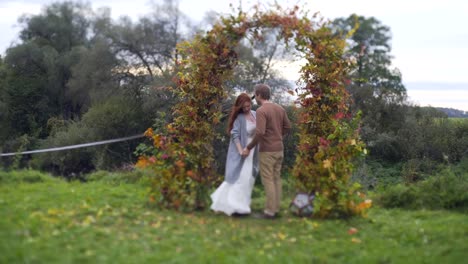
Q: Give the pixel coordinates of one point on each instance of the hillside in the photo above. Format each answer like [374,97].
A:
[453,112]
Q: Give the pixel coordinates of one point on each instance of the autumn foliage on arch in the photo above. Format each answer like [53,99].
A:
[181,156]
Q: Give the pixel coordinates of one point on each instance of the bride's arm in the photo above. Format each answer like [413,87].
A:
[235,134]
[239,148]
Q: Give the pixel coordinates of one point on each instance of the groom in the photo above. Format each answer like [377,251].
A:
[272,125]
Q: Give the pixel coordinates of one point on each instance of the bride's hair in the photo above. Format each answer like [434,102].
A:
[237,109]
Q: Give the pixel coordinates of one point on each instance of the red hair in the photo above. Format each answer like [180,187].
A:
[237,109]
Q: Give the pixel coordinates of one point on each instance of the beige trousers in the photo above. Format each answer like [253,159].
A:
[270,172]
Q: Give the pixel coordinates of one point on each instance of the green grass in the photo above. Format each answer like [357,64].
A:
[458,119]
[53,221]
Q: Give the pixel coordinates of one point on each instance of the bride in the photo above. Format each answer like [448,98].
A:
[233,196]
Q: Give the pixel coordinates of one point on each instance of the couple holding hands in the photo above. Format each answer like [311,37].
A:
[255,146]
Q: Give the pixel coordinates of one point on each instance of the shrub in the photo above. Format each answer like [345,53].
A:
[115,118]
[28,176]
[18,144]
[67,162]
[462,167]
[446,190]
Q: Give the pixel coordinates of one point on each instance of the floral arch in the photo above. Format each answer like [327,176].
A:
[182,156]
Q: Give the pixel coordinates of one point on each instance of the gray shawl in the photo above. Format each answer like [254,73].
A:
[234,161]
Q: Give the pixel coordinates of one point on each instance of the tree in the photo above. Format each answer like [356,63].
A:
[93,79]
[4,124]
[256,65]
[149,46]
[370,46]
[61,26]
[38,69]
[376,88]
[61,66]
[26,89]
[72,60]
[256,61]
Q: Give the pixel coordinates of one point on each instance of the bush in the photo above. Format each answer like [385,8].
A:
[371,174]
[419,169]
[462,167]
[18,144]
[412,132]
[67,162]
[27,176]
[115,118]
[446,190]
[383,146]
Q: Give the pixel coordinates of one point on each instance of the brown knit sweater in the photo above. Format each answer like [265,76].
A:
[272,124]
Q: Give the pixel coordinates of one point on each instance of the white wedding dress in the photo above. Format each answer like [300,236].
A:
[235,198]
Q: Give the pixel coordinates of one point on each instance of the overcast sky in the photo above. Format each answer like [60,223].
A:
[429,37]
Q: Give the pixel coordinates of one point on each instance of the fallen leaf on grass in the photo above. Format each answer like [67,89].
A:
[156,224]
[267,246]
[53,211]
[352,231]
[281,236]
[88,220]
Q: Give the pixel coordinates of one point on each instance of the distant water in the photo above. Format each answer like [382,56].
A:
[449,95]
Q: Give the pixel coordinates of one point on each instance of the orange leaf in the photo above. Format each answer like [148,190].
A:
[149,132]
[352,231]
[180,164]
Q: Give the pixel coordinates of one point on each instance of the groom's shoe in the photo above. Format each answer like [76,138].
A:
[239,215]
[265,216]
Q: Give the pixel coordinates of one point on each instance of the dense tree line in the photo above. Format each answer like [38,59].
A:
[79,76]
[412,138]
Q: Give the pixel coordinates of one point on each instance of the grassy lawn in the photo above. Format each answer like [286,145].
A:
[52,221]
[458,119]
